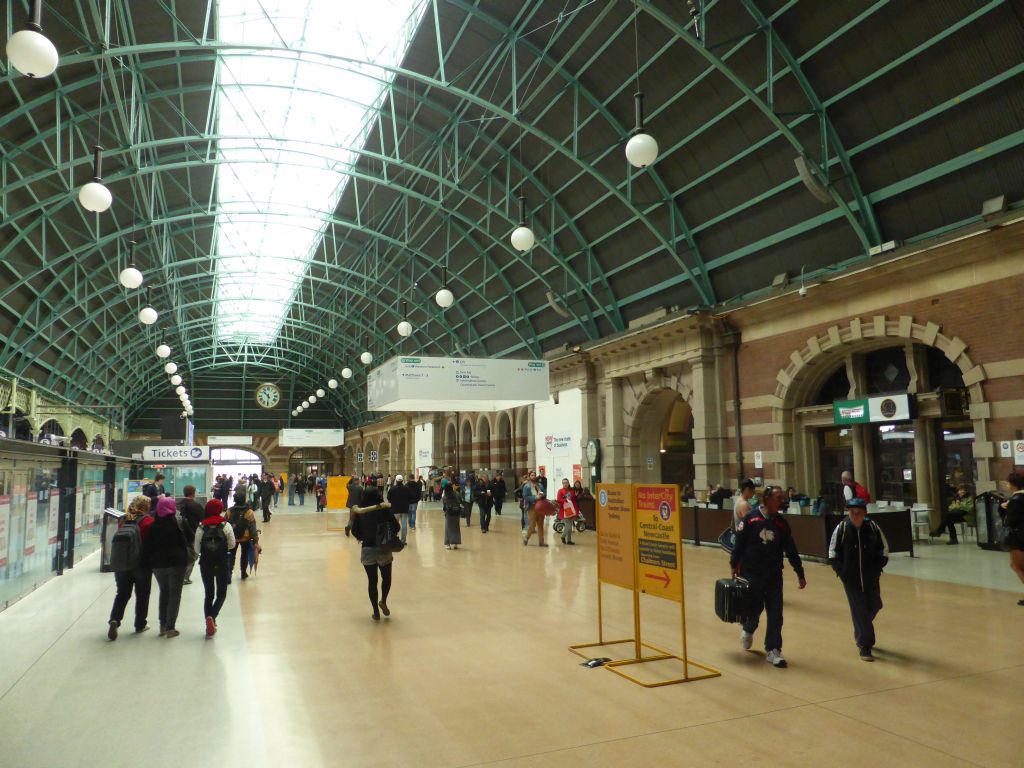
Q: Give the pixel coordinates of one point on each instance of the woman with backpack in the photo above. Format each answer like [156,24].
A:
[452,504]
[130,569]
[214,539]
[372,523]
[165,549]
[243,521]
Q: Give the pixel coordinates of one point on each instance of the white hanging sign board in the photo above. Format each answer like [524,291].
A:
[456,384]
[311,438]
[1018,453]
[229,440]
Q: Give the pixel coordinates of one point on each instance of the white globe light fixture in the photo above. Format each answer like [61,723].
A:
[130,277]
[346,373]
[163,351]
[294,412]
[366,358]
[306,402]
[175,380]
[332,384]
[312,399]
[180,390]
[641,149]
[320,393]
[147,315]
[170,368]
[444,298]
[94,196]
[29,51]
[522,236]
[190,410]
[405,329]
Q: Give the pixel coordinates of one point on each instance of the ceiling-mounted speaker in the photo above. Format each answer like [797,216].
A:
[559,309]
[810,180]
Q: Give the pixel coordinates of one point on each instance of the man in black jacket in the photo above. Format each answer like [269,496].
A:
[762,538]
[857,553]
[398,498]
[414,490]
[498,491]
[192,514]
[154,491]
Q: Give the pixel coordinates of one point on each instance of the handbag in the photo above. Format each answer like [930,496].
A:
[727,540]
[386,538]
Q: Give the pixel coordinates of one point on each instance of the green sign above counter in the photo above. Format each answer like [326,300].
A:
[872,409]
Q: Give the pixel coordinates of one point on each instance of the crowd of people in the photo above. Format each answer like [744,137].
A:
[162,538]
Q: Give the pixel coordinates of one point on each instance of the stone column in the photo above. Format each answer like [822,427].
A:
[615,461]
[710,450]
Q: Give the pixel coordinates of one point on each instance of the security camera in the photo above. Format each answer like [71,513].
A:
[803,290]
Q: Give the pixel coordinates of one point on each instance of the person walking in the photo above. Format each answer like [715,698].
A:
[485,501]
[568,510]
[214,539]
[366,524]
[745,502]
[498,491]
[276,482]
[154,490]
[857,553]
[1013,524]
[300,489]
[398,499]
[191,514]
[243,521]
[166,550]
[763,537]
[133,571]
[529,493]
[467,498]
[290,484]
[414,494]
[538,512]
[452,514]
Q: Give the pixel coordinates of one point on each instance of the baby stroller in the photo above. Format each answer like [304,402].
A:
[578,521]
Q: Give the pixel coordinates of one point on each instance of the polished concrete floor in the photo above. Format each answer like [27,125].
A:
[473,669]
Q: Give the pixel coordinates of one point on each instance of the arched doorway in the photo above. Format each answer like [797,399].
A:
[919,458]
[503,445]
[22,426]
[465,447]
[306,461]
[663,440]
[483,443]
[98,444]
[49,430]
[79,440]
[236,462]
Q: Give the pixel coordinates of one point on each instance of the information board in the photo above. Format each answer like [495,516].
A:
[5,523]
[311,438]
[658,551]
[615,534]
[456,384]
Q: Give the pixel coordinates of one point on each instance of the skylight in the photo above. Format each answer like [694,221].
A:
[287,121]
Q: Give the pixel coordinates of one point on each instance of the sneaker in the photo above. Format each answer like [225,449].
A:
[865,654]
[746,639]
[384,608]
[775,659]
[211,626]
[171,633]
[112,631]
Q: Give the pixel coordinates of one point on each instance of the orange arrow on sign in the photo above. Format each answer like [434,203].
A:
[665,577]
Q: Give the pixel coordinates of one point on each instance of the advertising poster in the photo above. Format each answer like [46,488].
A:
[51,527]
[5,525]
[79,508]
[31,513]
[424,443]
[558,435]
[615,534]
[658,551]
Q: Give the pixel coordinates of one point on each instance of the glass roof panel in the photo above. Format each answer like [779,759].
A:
[288,121]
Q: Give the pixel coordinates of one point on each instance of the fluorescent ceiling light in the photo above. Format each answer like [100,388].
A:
[288,122]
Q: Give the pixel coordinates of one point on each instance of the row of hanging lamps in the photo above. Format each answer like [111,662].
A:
[29,50]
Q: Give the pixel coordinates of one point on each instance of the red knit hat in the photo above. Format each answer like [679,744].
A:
[214,507]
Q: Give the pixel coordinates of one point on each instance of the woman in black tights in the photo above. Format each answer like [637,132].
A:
[366,520]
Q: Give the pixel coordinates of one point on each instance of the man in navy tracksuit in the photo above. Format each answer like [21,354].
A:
[762,538]
[857,553]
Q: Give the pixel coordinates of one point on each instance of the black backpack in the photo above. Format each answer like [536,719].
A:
[213,546]
[126,547]
[386,538]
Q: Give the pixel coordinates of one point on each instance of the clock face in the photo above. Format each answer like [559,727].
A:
[592,451]
[268,395]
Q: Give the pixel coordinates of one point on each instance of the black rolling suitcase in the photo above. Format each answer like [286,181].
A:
[732,596]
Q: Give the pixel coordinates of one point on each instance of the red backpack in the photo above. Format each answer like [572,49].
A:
[859,491]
